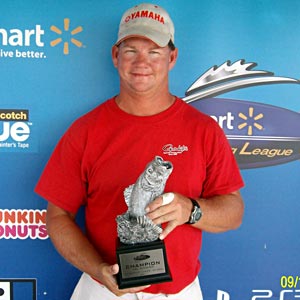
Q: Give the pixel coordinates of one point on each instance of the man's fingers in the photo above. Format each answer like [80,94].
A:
[167,198]
[162,200]
[111,283]
[114,269]
[155,204]
[169,228]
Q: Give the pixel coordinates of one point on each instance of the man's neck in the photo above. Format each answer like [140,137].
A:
[144,105]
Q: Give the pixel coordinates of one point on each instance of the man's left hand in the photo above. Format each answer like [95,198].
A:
[176,213]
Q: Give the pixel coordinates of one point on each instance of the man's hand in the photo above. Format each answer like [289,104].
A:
[175,213]
[108,278]
[74,246]
[220,213]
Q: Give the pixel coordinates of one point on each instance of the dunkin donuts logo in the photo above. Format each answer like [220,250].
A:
[23,224]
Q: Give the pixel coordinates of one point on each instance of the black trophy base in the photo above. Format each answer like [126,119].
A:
[142,264]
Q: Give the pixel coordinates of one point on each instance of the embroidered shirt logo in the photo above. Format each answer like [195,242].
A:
[169,149]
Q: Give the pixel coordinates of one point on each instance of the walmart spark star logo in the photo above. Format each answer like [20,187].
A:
[250,121]
[66,36]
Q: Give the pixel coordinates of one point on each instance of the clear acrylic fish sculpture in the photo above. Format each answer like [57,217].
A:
[134,226]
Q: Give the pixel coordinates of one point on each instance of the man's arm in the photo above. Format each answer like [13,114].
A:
[74,246]
[220,213]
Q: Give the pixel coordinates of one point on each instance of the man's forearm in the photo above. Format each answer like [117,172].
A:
[71,243]
[221,213]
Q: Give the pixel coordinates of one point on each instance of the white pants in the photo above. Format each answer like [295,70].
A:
[89,289]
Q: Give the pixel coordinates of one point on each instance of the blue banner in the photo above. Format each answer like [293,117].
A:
[238,62]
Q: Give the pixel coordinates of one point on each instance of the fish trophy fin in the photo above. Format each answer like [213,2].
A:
[127,194]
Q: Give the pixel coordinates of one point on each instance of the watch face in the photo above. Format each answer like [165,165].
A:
[196,212]
[198,215]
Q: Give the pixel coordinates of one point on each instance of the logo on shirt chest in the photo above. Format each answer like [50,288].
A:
[170,149]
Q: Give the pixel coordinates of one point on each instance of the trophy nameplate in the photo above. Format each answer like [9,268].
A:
[142,264]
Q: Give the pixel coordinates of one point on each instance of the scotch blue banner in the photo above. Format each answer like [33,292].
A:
[238,62]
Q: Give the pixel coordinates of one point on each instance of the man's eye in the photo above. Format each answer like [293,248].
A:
[129,51]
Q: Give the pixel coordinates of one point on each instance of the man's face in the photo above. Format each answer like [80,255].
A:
[143,66]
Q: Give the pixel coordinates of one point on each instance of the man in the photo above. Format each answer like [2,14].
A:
[105,151]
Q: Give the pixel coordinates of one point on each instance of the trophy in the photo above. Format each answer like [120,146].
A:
[141,255]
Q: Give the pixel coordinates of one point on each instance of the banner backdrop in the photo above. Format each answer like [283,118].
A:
[238,62]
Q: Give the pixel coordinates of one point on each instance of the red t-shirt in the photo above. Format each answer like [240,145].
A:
[105,151]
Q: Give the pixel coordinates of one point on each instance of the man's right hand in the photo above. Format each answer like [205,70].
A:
[108,278]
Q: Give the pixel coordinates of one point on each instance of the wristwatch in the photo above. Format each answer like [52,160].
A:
[196,213]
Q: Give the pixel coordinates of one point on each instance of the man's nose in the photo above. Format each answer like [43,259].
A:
[141,58]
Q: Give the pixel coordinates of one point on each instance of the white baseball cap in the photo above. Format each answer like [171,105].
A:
[149,21]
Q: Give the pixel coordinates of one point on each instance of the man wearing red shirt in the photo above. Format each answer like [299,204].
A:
[104,151]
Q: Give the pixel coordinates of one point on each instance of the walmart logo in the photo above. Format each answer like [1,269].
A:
[256,133]
[29,41]
[251,120]
[248,121]
[66,36]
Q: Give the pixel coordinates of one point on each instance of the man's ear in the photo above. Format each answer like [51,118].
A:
[173,58]
[114,55]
